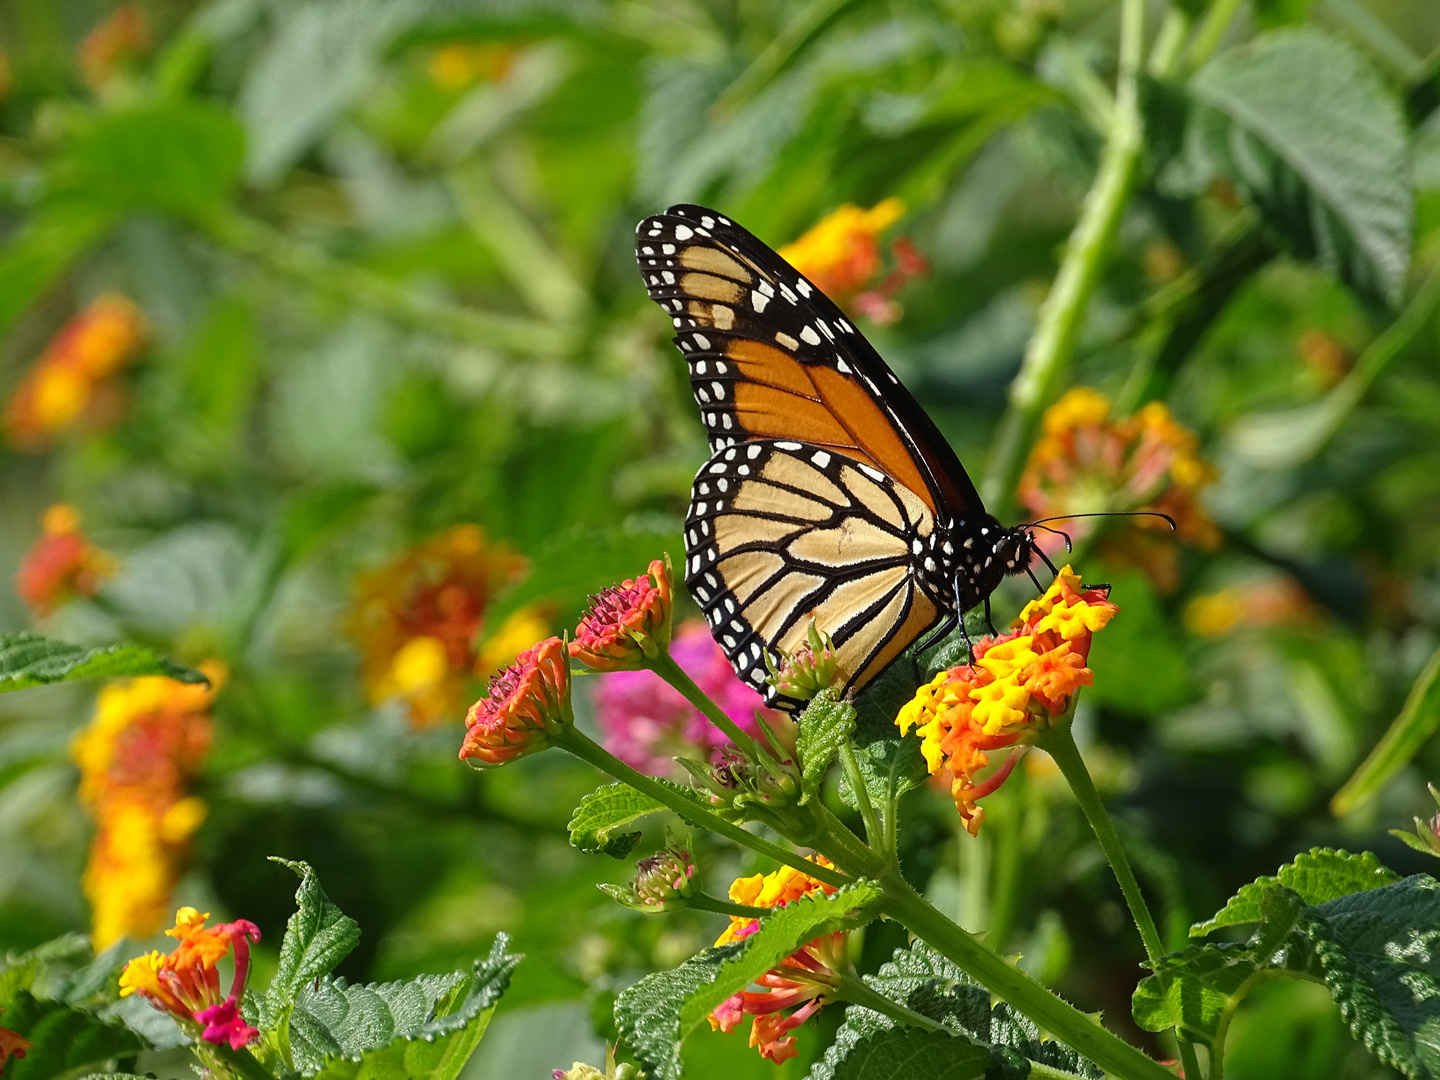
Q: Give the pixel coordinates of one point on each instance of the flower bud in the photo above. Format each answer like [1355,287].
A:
[808,670]
[662,881]
[627,625]
[527,704]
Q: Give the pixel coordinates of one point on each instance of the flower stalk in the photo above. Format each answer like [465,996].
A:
[665,666]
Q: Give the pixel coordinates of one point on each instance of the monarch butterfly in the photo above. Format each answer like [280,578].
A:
[829,494]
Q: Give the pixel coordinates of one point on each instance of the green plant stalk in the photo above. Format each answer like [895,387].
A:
[665,666]
[1048,355]
[854,989]
[1059,743]
[587,750]
[240,1063]
[365,289]
[874,834]
[1207,38]
[706,902]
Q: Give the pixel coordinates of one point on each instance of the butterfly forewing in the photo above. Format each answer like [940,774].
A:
[781,533]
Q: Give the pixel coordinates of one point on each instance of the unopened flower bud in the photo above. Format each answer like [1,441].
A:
[808,670]
[666,875]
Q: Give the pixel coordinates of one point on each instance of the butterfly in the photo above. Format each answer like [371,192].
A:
[829,495]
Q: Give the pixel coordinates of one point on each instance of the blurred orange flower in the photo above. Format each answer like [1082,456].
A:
[1086,462]
[416,621]
[1016,685]
[124,36]
[138,759]
[460,64]
[800,982]
[67,380]
[1273,602]
[61,564]
[841,255]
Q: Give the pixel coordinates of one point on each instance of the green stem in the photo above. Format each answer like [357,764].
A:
[853,989]
[1047,357]
[374,292]
[873,831]
[1059,743]
[1056,1016]
[587,750]
[665,666]
[706,902]
[1207,38]
[241,1063]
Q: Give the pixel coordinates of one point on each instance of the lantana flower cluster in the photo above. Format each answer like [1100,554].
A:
[1086,462]
[799,984]
[417,621]
[841,255]
[138,759]
[186,982]
[71,380]
[1014,689]
[62,564]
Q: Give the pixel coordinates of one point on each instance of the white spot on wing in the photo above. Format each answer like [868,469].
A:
[809,336]
[683,232]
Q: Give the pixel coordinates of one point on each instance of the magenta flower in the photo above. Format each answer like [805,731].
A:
[645,722]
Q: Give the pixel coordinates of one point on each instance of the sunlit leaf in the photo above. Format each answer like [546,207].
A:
[28,660]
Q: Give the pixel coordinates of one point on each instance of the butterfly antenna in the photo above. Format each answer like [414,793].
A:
[1105,513]
[1057,532]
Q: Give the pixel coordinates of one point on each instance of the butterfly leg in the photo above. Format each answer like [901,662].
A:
[988,620]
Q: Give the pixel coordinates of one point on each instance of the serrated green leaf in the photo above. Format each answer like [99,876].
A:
[825,725]
[907,1054]
[595,821]
[65,1039]
[927,983]
[1418,719]
[890,764]
[421,1030]
[317,937]
[28,660]
[333,1018]
[1318,875]
[1301,122]
[658,1013]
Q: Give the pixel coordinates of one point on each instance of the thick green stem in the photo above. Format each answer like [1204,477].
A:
[1058,1017]
[665,666]
[706,902]
[587,750]
[1047,358]
[241,1063]
[1207,38]
[873,832]
[371,291]
[1059,743]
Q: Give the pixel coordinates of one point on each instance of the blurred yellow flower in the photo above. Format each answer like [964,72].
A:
[459,64]
[841,255]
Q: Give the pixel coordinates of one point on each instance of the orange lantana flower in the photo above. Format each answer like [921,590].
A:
[841,255]
[186,982]
[419,619]
[1016,686]
[138,760]
[61,564]
[801,982]
[626,625]
[66,381]
[527,703]
[1087,462]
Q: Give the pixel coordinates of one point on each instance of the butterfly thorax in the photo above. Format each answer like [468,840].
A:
[984,554]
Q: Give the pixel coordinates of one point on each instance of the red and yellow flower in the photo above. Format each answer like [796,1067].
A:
[627,625]
[418,621]
[800,983]
[138,760]
[1087,462]
[841,255]
[1272,602]
[460,64]
[186,982]
[70,379]
[527,704]
[1015,688]
[62,564]
[122,38]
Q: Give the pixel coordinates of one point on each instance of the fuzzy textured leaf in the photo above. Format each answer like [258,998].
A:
[28,660]
[317,937]
[824,726]
[648,1013]
[422,1030]
[595,821]
[890,764]
[1318,875]
[66,1039]
[1302,123]
[904,1054]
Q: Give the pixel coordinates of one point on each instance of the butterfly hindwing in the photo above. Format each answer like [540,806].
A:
[782,532]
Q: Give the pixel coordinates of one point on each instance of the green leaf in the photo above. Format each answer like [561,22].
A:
[426,1029]
[1318,875]
[890,764]
[1139,667]
[28,660]
[44,248]
[1417,721]
[906,1054]
[825,725]
[1300,121]
[66,1039]
[179,156]
[317,937]
[658,1013]
[593,825]
[927,983]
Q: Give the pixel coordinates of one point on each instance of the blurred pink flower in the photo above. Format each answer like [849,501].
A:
[645,722]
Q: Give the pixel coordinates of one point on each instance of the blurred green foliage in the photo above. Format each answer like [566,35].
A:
[383,248]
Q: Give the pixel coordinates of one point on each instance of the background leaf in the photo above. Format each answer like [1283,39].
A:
[28,660]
